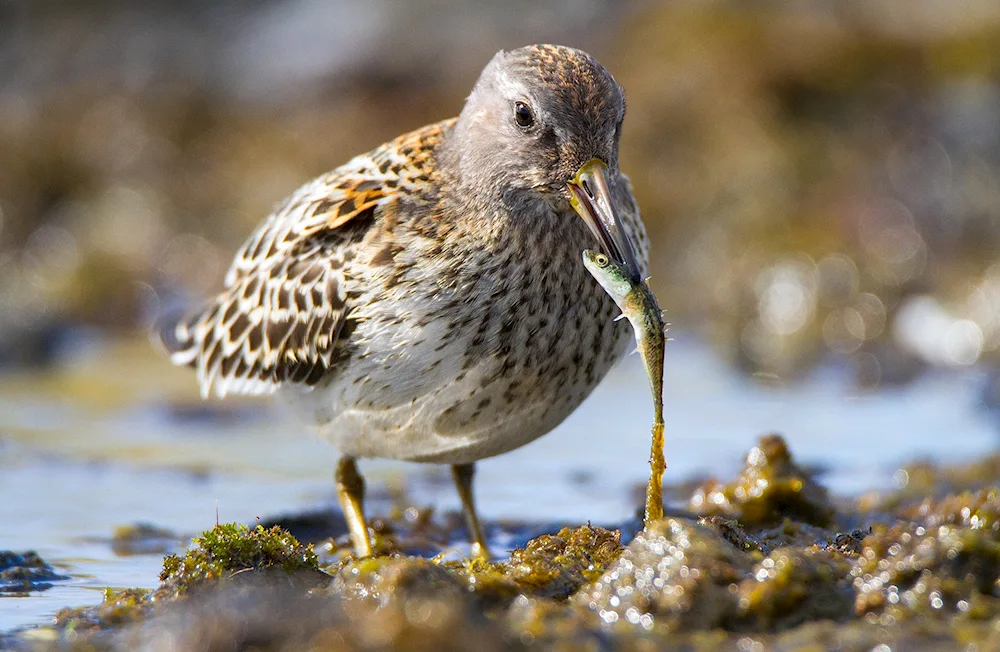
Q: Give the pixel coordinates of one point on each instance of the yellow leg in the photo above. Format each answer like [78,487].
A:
[351,493]
[463,482]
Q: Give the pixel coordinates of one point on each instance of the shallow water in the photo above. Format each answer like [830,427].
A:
[118,437]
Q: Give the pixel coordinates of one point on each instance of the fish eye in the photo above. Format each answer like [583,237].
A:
[601,260]
[522,115]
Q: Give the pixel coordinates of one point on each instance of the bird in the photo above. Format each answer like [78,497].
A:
[427,301]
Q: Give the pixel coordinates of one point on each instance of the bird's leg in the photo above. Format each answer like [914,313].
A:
[351,493]
[463,482]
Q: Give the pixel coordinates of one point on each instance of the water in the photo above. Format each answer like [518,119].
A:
[118,437]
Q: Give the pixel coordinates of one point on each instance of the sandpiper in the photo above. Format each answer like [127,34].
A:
[427,301]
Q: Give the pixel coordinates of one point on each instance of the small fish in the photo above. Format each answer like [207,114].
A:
[639,306]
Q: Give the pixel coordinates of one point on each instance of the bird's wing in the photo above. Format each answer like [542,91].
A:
[281,317]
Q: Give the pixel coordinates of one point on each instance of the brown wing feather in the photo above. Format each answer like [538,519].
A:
[283,315]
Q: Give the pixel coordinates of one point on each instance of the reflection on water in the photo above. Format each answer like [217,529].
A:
[120,438]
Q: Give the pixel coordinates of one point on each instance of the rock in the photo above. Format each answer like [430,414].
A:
[25,572]
[676,574]
[770,488]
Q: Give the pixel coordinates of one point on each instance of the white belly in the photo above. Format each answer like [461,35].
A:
[426,402]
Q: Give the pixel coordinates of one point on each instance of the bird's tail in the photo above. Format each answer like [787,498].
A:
[174,333]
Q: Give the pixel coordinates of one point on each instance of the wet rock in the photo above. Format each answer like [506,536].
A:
[734,533]
[312,526]
[548,566]
[25,572]
[380,580]
[681,576]
[228,554]
[145,539]
[36,347]
[793,586]
[675,575]
[770,488]
[200,413]
[118,608]
[949,567]
[398,603]
[979,511]
[850,543]
[923,479]
[925,577]
[280,618]
[792,532]
[551,624]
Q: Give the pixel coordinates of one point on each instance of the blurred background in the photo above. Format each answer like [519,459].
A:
[820,178]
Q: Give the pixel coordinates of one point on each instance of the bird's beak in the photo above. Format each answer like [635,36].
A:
[591,199]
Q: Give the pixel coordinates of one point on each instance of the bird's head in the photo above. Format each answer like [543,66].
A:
[544,122]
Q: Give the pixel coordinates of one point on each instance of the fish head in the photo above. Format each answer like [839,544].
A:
[611,275]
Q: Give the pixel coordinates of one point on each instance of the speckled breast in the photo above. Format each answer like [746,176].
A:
[454,365]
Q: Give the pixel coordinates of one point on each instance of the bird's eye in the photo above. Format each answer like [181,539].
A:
[601,260]
[522,115]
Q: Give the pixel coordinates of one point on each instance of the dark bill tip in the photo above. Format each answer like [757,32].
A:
[591,199]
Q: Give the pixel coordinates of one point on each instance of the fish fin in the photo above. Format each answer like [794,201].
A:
[620,317]
[634,351]
[646,280]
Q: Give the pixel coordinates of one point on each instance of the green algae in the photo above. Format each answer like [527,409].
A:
[549,566]
[118,608]
[227,552]
[556,565]
[925,576]
[770,488]
[795,585]
[943,564]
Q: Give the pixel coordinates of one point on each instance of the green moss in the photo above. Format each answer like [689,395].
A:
[930,571]
[224,553]
[551,566]
[227,551]
[555,565]
[118,608]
